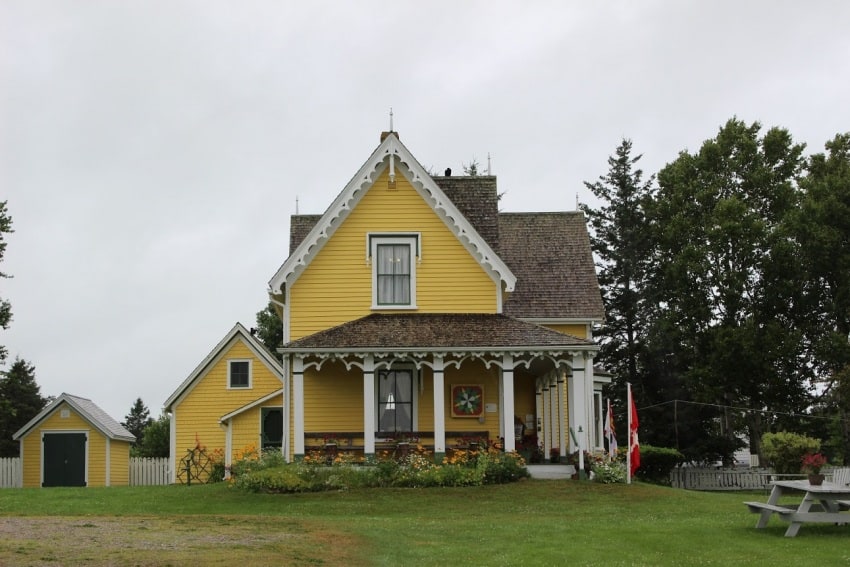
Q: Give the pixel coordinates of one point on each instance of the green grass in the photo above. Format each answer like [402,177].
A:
[533,522]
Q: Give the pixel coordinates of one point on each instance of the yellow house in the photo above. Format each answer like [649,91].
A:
[232,399]
[72,442]
[413,307]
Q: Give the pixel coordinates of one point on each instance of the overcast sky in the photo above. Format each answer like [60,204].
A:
[152,152]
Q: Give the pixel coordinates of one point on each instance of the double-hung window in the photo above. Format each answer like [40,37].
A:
[393,260]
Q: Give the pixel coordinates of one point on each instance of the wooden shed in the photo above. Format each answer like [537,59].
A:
[73,442]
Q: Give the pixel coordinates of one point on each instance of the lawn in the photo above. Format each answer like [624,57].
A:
[534,522]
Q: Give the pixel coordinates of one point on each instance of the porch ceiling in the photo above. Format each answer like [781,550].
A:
[444,332]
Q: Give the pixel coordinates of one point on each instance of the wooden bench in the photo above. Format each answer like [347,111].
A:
[759,507]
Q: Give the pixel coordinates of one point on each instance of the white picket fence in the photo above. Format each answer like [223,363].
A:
[741,479]
[11,474]
[148,471]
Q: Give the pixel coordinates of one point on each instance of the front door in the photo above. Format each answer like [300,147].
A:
[64,459]
[272,427]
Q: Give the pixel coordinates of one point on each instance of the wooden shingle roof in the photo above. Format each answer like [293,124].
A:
[449,331]
[551,255]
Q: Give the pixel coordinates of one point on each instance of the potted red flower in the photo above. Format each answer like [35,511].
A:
[812,464]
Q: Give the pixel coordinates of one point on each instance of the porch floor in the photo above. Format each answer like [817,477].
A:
[551,472]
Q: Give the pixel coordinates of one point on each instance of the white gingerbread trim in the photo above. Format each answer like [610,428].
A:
[362,181]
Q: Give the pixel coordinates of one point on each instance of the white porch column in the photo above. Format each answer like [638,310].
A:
[591,404]
[547,417]
[555,427]
[298,404]
[439,406]
[172,441]
[563,433]
[507,410]
[228,447]
[369,420]
[578,400]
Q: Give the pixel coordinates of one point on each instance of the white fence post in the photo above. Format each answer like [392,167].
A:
[11,473]
[149,471]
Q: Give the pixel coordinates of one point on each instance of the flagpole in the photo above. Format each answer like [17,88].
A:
[629,424]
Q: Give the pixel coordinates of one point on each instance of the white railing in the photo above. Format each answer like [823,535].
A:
[11,474]
[148,471]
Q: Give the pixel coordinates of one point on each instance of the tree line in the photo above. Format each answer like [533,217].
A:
[726,282]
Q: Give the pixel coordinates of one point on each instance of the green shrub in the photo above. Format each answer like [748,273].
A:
[656,463]
[258,473]
[784,450]
[501,468]
[609,472]
[279,480]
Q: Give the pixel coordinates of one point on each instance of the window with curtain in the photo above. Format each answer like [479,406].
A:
[394,258]
[395,400]
[393,273]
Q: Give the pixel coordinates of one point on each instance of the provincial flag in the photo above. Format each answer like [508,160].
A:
[611,432]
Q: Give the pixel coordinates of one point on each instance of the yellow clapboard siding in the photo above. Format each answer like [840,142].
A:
[336,286]
[96,450]
[197,415]
[119,459]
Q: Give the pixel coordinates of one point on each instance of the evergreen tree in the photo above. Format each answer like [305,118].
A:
[5,306]
[137,420]
[20,400]
[621,245]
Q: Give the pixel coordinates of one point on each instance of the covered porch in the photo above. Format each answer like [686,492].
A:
[443,379]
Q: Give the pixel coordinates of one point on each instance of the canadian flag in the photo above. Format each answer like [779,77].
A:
[634,444]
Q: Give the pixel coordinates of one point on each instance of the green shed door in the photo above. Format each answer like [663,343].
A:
[64,459]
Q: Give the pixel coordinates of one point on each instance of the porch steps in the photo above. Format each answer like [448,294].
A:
[551,472]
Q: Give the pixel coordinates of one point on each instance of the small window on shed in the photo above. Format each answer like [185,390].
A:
[239,374]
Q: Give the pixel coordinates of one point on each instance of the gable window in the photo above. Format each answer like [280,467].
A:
[239,374]
[394,270]
[396,400]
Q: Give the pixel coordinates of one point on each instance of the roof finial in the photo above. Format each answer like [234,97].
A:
[296,204]
[391,119]
[488,164]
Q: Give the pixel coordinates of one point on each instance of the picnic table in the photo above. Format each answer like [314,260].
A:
[824,503]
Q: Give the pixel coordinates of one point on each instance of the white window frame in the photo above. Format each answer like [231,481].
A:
[230,385]
[414,412]
[413,241]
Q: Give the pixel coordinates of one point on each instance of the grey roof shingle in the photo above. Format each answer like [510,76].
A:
[435,330]
[89,410]
[553,251]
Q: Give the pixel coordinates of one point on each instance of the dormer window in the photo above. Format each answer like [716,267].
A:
[394,258]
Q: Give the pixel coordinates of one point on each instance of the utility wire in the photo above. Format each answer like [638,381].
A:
[772,412]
